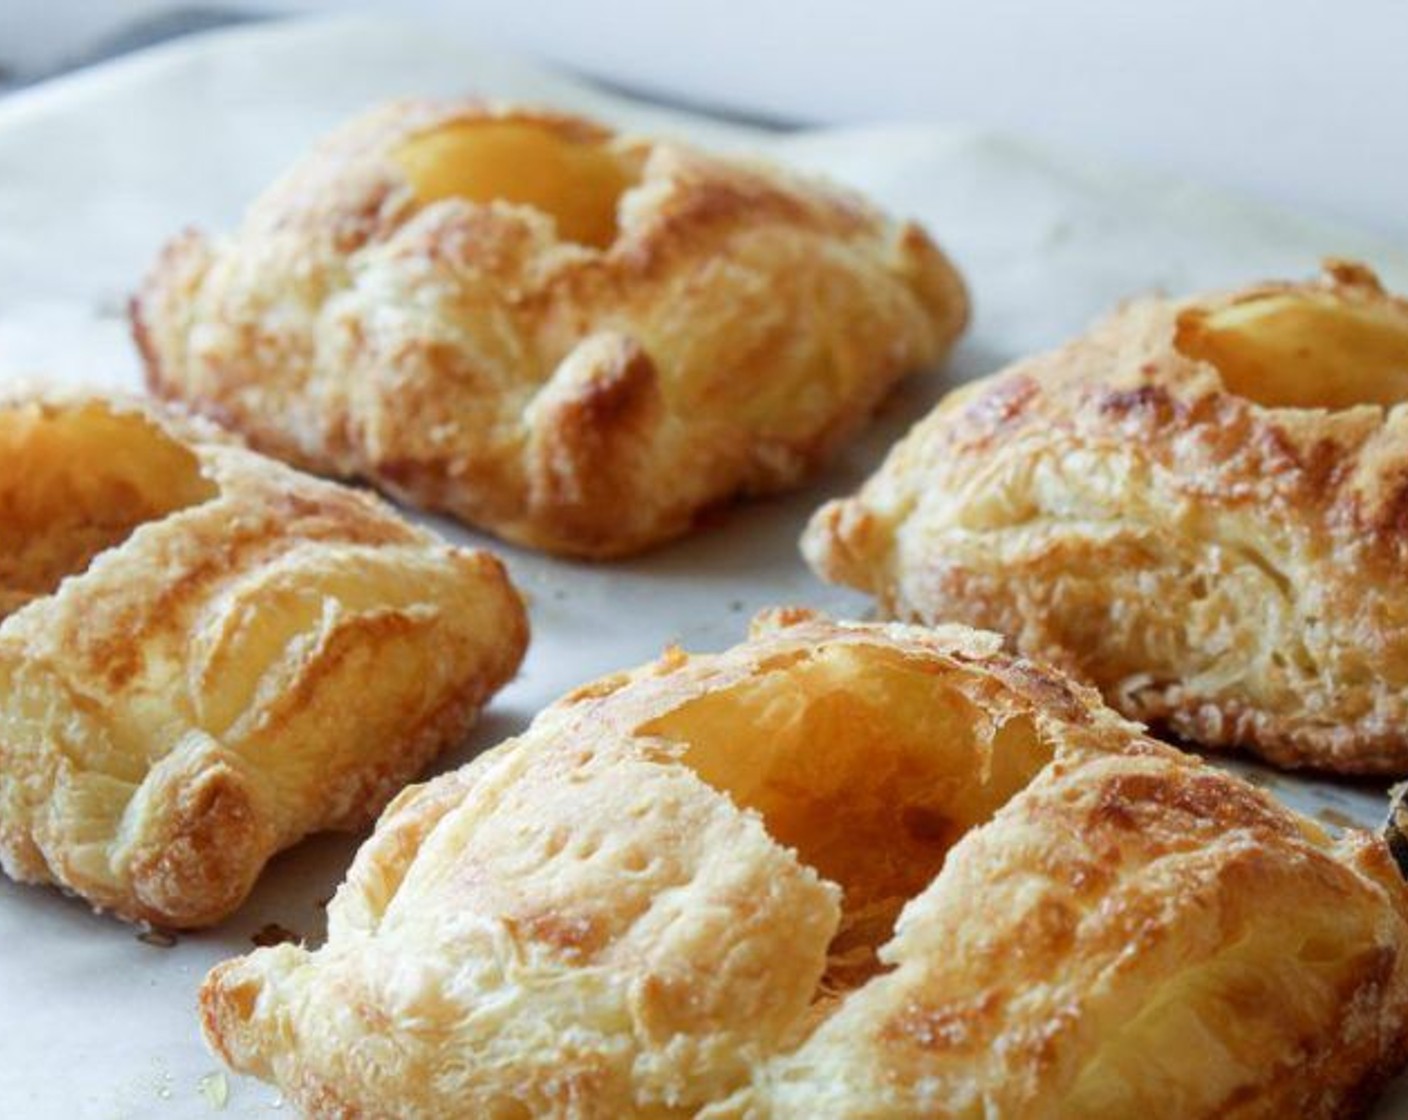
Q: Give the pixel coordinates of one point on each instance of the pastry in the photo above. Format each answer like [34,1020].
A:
[837,871]
[575,339]
[205,656]
[1199,507]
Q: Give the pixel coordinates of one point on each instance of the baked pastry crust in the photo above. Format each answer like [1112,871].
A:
[674,896]
[1228,564]
[735,326]
[205,656]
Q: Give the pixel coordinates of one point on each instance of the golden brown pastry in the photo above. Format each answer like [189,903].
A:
[575,339]
[205,656]
[836,872]
[1201,507]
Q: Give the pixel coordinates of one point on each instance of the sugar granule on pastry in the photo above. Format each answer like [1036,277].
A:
[205,656]
[576,339]
[836,871]
[1200,506]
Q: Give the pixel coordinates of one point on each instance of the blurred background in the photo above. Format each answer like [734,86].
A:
[1298,102]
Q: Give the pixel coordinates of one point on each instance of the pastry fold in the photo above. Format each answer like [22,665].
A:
[575,339]
[205,656]
[837,871]
[1199,507]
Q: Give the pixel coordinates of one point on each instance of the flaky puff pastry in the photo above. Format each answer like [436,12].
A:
[1199,507]
[575,339]
[838,871]
[205,656]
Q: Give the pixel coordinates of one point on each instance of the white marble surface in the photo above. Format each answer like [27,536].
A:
[97,170]
[1298,102]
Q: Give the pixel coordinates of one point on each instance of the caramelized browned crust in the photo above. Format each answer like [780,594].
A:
[205,656]
[739,324]
[838,871]
[1231,569]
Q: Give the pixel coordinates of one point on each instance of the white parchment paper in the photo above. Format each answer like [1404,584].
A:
[97,170]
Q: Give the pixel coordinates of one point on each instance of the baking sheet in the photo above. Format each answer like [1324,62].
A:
[98,169]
